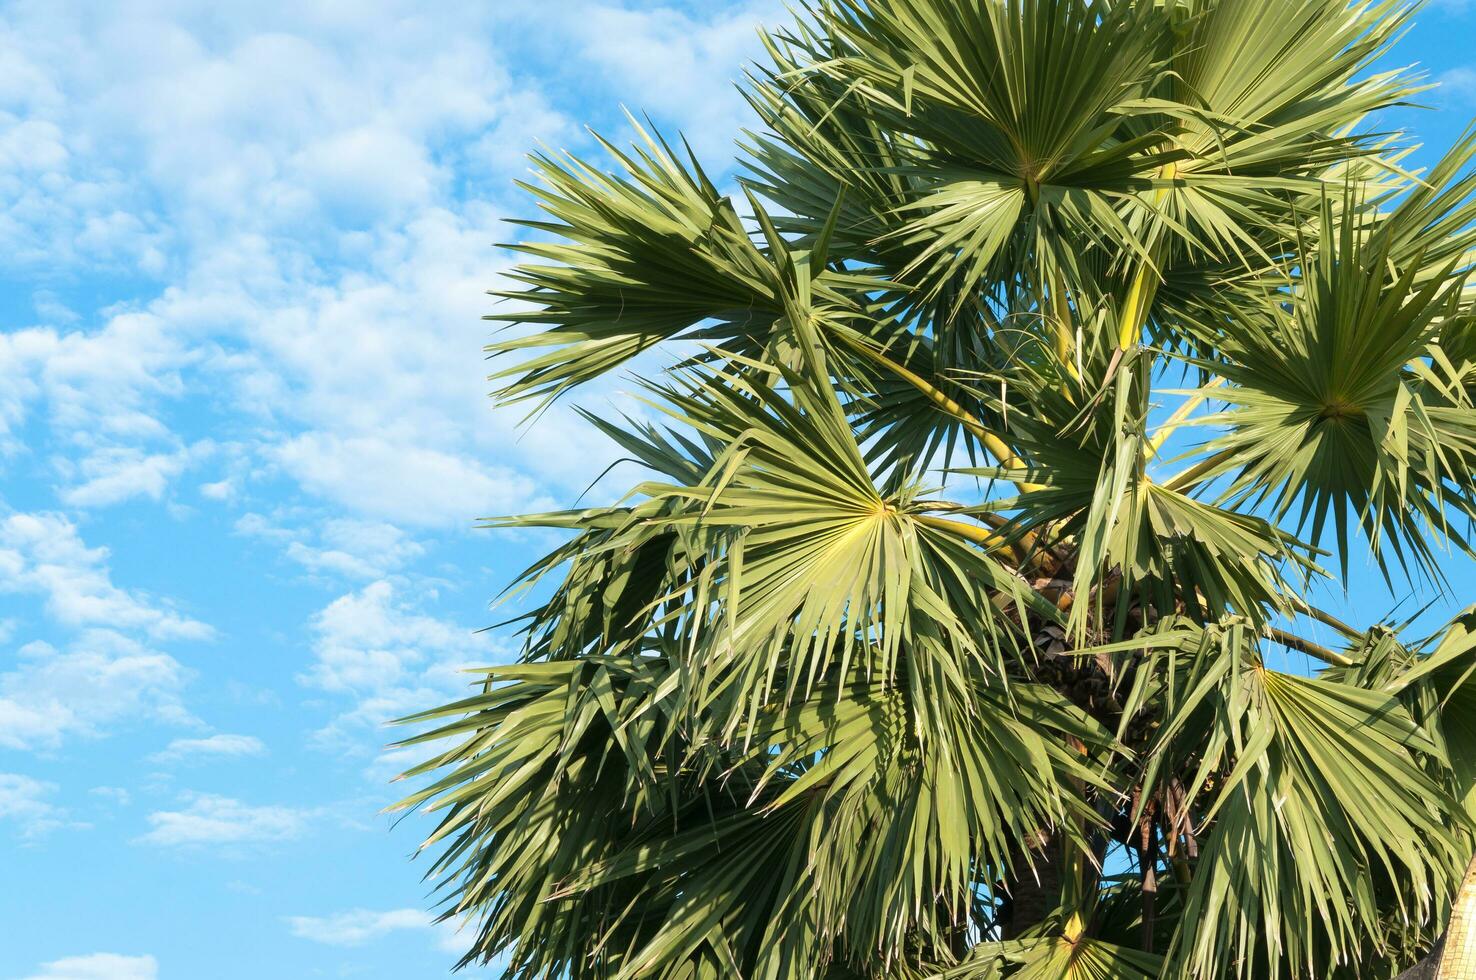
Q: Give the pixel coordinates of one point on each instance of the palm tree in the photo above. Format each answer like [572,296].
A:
[1048,359]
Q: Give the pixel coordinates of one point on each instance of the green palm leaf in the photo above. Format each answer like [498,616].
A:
[1293,854]
[1032,362]
[1341,406]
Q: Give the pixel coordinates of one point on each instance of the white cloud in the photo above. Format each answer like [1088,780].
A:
[43,554]
[279,227]
[300,201]
[357,549]
[218,490]
[358,926]
[103,678]
[679,65]
[99,966]
[367,170]
[255,525]
[220,820]
[1457,86]
[402,481]
[346,547]
[102,675]
[376,647]
[111,475]
[295,168]
[371,641]
[23,800]
[116,794]
[214,746]
[321,192]
[97,385]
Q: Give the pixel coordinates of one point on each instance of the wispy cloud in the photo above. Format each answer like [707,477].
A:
[99,966]
[117,795]
[43,554]
[357,926]
[377,648]
[1458,86]
[219,820]
[111,475]
[109,670]
[372,639]
[356,549]
[400,479]
[258,261]
[211,747]
[25,802]
[101,679]
[666,61]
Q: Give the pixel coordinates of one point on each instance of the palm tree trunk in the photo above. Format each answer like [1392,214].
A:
[1454,956]
[1425,968]
[1036,893]
[1458,960]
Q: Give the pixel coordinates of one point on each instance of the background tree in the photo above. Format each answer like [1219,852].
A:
[1049,355]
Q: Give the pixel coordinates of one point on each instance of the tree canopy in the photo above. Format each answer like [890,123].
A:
[1037,366]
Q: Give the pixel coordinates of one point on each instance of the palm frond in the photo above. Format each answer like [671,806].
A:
[909,656]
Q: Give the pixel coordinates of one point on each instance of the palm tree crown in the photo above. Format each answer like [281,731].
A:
[1048,356]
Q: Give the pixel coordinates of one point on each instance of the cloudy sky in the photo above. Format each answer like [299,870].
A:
[244,437]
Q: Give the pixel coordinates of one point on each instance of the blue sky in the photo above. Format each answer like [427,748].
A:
[244,436]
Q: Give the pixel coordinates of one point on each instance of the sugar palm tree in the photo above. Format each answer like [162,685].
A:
[1044,363]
